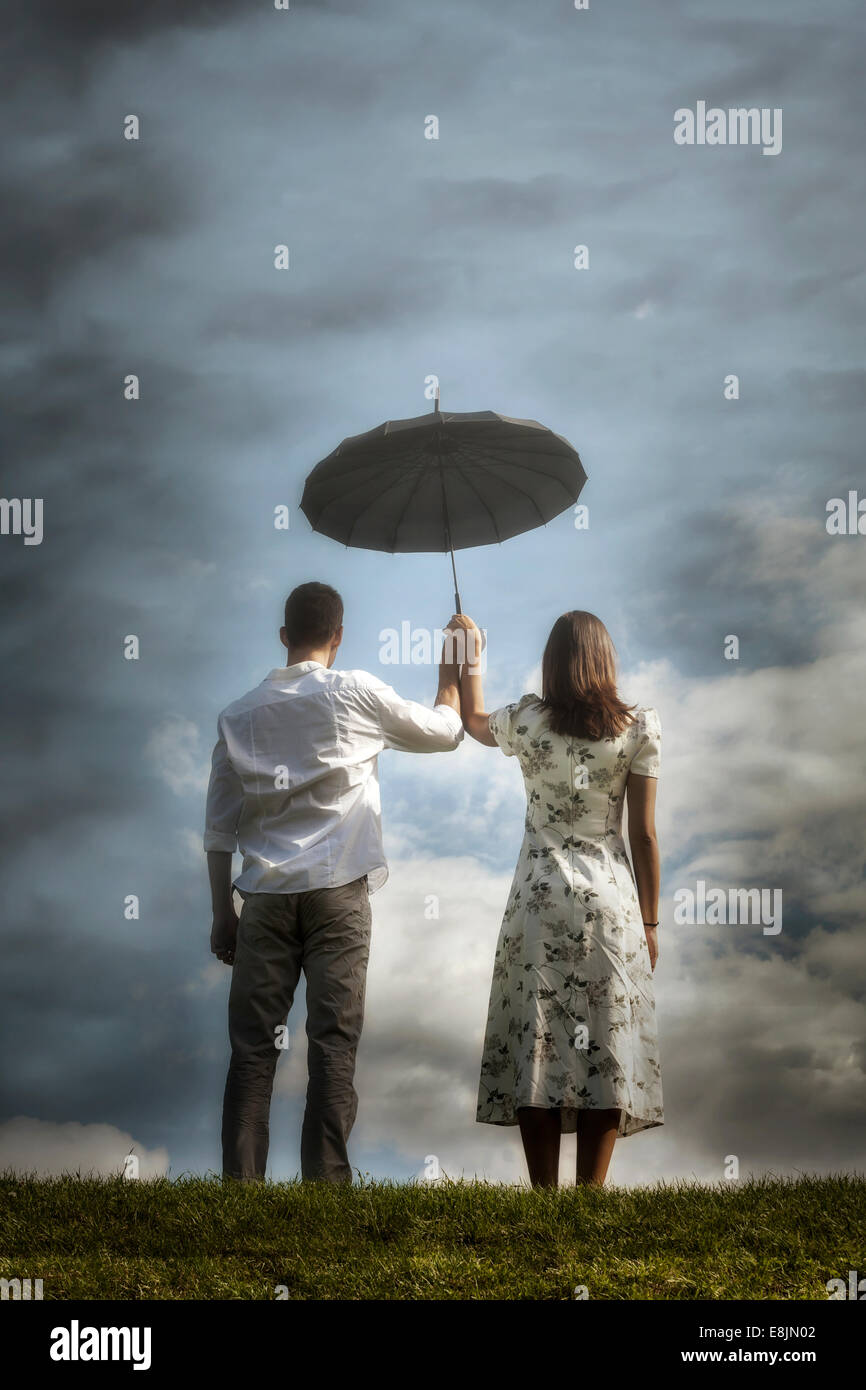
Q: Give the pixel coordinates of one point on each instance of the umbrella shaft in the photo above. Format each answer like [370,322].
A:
[457,608]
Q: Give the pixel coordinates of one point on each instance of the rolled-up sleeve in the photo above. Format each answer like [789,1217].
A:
[413,728]
[225,799]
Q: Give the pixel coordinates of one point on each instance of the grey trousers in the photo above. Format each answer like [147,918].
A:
[325,933]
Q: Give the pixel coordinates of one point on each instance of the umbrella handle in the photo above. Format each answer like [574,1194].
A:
[457,608]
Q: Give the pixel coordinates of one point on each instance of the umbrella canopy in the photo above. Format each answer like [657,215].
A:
[442,482]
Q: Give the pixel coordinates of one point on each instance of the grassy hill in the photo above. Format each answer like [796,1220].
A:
[198,1239]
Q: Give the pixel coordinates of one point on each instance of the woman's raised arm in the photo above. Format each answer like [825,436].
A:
[475,721]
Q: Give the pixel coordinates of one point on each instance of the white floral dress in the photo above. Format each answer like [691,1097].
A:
[571,1023]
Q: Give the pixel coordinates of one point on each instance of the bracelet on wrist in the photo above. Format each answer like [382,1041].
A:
[650,924]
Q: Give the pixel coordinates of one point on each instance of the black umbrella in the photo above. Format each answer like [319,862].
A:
[442,482]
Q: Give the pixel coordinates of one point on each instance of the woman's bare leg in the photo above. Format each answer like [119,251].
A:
[596,1135]
[540,1131]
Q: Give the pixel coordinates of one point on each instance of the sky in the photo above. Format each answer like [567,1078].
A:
[411,258]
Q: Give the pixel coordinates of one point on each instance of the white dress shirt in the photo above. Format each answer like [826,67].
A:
[294,782]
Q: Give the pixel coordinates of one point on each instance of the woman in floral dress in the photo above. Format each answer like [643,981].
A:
[571,1042]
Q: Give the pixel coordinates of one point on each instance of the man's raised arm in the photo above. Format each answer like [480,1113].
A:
[414,728]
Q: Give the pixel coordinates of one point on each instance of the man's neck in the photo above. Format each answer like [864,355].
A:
[295,655]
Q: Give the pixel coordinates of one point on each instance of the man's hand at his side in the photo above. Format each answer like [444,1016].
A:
[224,933]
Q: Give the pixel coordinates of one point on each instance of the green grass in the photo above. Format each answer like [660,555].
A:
[198,1239]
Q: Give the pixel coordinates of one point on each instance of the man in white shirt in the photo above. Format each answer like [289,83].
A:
[294,787]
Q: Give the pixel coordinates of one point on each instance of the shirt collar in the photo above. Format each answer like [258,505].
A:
[289,673]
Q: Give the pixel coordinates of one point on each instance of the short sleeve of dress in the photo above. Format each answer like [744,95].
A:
[648,748]
[502,728]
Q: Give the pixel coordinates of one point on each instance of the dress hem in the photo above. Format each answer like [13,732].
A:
[629,1123]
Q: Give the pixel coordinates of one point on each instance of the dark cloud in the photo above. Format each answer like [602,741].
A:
[773,57]
[337,307]
[829,390]
[49,24]
[145,1051]
[111,196]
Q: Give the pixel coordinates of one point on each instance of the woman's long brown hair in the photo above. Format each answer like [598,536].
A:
[578,674]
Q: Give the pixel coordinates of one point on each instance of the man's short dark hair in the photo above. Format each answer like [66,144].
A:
[313,614]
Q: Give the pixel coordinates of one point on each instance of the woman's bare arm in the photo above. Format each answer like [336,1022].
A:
[475,721]
[641,797]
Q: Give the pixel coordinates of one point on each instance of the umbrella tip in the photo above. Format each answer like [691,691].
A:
[436,402]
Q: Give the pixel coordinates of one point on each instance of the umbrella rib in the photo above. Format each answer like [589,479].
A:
[469,483]
[540,471]
[410,460]
[523,493]
[399,522]
[364,482]
[345,492]
[538,444]
[363,512]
